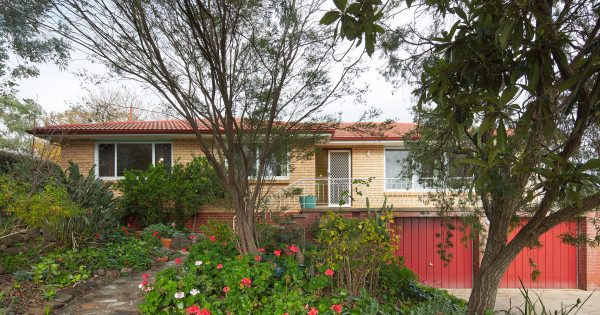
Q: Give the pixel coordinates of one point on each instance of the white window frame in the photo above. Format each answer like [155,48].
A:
[415,185]
[274,177]
[116,143]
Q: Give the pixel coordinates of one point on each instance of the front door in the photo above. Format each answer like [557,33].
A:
[340,185]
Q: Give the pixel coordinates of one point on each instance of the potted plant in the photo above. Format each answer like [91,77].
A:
[310,202]
[163,232]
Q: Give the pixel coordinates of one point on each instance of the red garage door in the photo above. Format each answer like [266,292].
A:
[555,261]
[419,240]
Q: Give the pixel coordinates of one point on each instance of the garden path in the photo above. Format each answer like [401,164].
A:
[119,297]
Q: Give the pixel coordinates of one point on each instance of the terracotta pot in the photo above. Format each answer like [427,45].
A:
[166,242]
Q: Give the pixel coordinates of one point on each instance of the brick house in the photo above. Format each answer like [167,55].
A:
[347,162]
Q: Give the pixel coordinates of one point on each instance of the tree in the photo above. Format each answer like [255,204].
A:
[104,105]
[510,90]
[16,117]
[253,73]
[23,43]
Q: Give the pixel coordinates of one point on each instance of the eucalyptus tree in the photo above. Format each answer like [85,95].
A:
[509,90]
[251,77]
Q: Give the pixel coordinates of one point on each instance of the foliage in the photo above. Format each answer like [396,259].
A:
[67,267]
[160,230]
[216,278]
[16,117]
[158,194]
[355,249]
[22,37]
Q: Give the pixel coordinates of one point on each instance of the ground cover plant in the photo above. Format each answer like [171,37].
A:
[284,279]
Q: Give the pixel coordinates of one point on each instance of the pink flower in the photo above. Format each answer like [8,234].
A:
[257,258]
[293,248]
[184,250]
[336,308]
[226,289]
[145,276]
[277,253]
[204,312]
[262,250]
[219,266]
[192,237]
[329,272]
[313,311]
[155,234]
[178,260]
[97,236]
[246,282]
[213,238]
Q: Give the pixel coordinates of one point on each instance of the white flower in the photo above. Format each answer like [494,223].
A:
[194,292]
[141,286]
[179,295]
[173,224]
[199,262]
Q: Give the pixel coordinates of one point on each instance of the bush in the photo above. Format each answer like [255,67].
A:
[157,194]
[67,267]
[356,250]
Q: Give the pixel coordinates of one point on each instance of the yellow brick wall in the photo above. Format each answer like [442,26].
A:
[78,151]
[184,150]
[367,161]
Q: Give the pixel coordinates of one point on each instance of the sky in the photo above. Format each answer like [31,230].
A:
[55,89]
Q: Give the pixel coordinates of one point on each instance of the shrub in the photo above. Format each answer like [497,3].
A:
[157,194]
[355,249]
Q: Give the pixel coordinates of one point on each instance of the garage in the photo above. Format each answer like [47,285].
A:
[555,261]
[419,240]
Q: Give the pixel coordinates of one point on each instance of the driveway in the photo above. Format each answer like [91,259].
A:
[552,299]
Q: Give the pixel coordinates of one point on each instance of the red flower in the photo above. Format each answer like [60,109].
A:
[277,253]
[313,311]
[192,237]
[246,282]
[213,238]
[219,266]
[145,276]
[155,234]
[329,272]
[336,308]
[128,224]
[97,236]
[204,312]
[257,258]
[178,260]
[194,309]
[262,250]
[184,250]
[226,289]
[293,248]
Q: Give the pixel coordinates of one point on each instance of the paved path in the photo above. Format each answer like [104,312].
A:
[552,299]
[121,296]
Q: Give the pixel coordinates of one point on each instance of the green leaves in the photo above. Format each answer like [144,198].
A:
[341,4]
[330,17]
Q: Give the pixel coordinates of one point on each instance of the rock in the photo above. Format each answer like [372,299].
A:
[68,291]
[181,241]
[54,305]
[62,298]
[100,272]
[112,273]
[126,270]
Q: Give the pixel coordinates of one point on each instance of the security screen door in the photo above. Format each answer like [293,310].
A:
[340,185]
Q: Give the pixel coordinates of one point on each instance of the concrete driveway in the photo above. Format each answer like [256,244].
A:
[552,299]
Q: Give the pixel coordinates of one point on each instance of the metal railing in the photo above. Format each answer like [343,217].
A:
[319,193]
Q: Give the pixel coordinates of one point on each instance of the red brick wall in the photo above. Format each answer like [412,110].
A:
[589,257]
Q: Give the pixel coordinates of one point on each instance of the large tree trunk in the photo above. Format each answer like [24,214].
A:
[495,261]
[245,230]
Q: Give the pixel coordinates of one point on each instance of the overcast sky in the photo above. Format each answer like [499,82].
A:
[54,89]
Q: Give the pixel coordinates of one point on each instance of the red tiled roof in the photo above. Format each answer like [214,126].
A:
[345,132]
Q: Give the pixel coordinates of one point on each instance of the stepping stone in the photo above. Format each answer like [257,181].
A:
[63,298]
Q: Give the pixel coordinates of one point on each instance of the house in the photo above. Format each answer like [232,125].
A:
[349,161]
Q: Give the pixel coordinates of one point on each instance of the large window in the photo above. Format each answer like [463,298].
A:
[395,166]
[277,166]
[114,158]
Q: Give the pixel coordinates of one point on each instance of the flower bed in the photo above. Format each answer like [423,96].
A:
[214,279]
